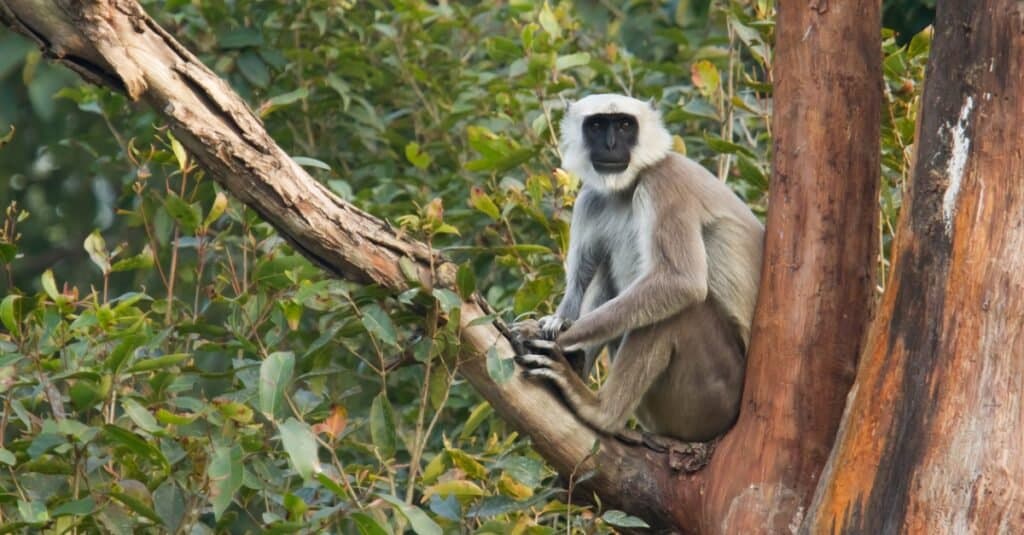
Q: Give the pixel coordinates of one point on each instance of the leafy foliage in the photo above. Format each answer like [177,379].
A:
[169,364]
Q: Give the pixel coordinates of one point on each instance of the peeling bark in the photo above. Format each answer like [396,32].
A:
[932,437]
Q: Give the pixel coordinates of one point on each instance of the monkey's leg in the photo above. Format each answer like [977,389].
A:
[642,357]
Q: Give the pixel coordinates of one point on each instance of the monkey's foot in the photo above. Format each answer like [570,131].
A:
[574,359]
[551,367]
[686,456]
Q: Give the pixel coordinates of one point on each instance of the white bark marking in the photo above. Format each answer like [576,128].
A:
[956,164]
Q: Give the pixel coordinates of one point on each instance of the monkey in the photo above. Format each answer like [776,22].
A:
[663,267]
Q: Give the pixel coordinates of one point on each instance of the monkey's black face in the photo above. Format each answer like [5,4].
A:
[610,137]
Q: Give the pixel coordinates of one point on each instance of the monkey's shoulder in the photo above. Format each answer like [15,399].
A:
[677,181]
[677,172]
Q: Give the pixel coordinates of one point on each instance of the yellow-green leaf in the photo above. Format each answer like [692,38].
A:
[456,487]
[179,152]
[705,77]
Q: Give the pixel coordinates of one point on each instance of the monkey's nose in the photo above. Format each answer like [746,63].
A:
[610,139]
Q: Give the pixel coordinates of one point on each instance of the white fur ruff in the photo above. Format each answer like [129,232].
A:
[653,140]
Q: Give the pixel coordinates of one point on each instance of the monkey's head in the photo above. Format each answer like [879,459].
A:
[607,139]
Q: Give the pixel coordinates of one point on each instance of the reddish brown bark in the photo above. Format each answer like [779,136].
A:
[933,435]
[814,302]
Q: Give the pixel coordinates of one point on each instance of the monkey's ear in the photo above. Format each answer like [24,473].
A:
[650,103]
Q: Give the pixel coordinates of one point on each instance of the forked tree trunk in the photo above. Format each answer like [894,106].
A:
[933,436]
[820,246]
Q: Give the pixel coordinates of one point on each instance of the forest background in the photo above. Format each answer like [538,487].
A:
[168,362]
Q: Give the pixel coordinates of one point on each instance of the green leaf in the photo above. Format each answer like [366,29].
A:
[225,473]
[169,503]
[137,505]
[466,463]
[220,204]
[300,444]
[179,152]
[253,68]
[504,163]
[43,443]
[187,215]
[449,300]
[240,38]
[532,294]
[500,369]
[367,525]
[564,63]
[134,443]
[77,507]
[480,200]
[143,260]
[465,281]
[157,363]
[140,415]
[695,109]
[476,417]
[379,324]
[332,485]
[50,286]
[438,385]
[622,520]
[705,77]
[459,488]
[10,314]
[418,520]
[306,161]
[283,100]
[549,22]
[7,457]
[275,376]
[97,249]
[8,252]
[34,512]
[722,146]
[6,138]
[416,156]
[382,425]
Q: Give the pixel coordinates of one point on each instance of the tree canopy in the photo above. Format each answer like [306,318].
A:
[169,360]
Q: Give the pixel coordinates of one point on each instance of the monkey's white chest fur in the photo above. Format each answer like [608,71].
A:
[625,244]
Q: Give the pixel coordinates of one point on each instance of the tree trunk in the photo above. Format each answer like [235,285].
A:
[816,286]
[934,429]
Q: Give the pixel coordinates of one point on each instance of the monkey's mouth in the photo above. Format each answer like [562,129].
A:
[610,166]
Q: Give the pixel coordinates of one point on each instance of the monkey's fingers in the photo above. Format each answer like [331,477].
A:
[552,326]
[688,457]
[526,329]
[531,361]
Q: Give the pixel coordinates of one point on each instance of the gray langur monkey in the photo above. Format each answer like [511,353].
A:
[663,266]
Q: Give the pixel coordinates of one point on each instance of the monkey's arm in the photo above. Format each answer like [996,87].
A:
[644,355]
[582,263]
[677,278]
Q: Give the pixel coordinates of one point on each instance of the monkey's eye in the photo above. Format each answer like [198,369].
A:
[594,125]
[624,125]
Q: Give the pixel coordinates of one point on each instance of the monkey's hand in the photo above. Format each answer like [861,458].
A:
[553,325]
[576,360]
[554,369]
